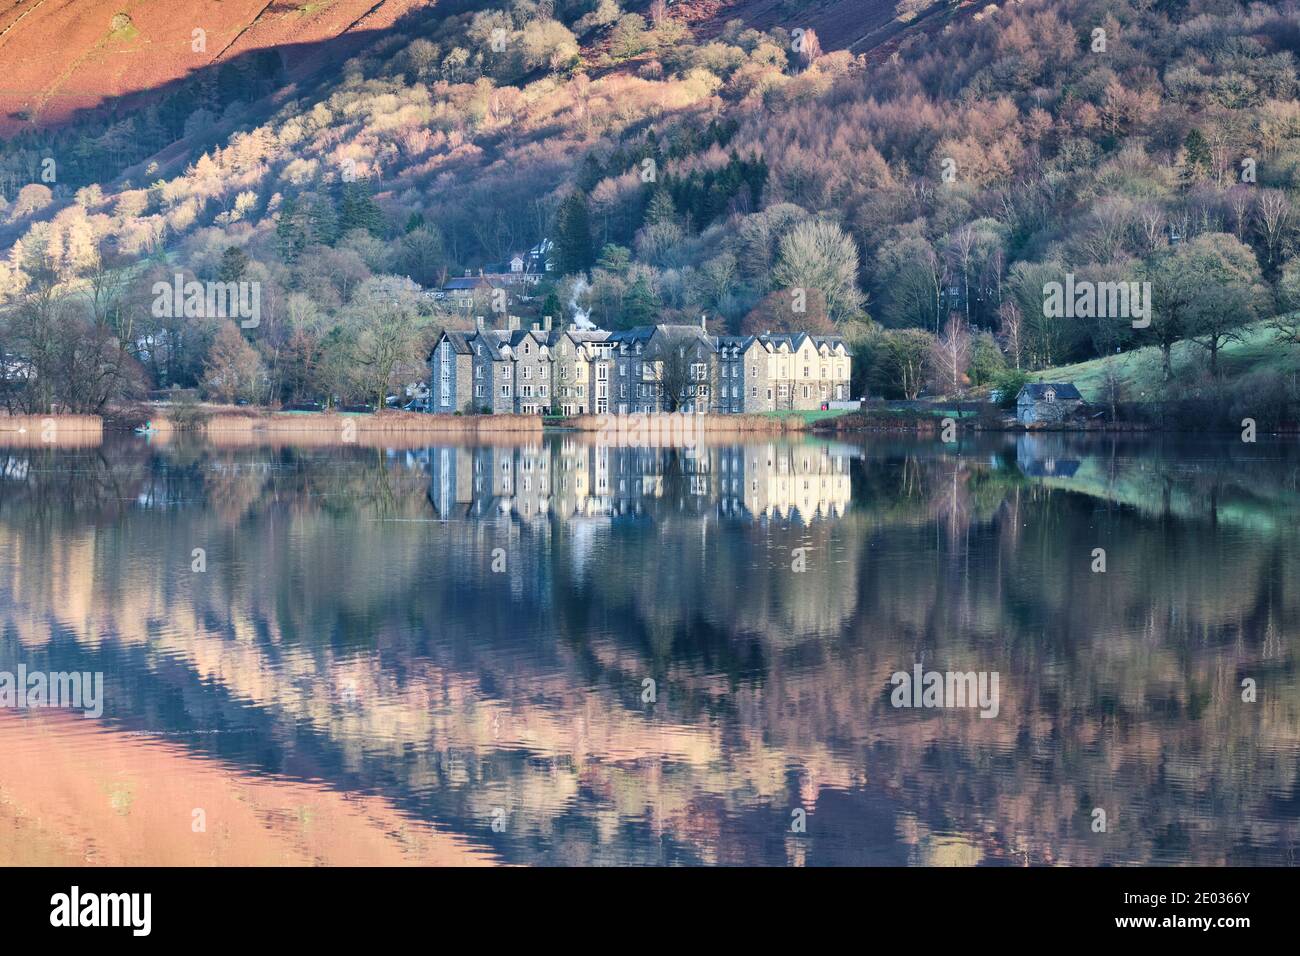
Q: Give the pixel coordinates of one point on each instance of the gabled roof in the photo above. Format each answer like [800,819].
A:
[588,335]
[741,342]
[1035,391]
[777,341]
[459,339]
[519,336]
[682,336]
[493,341]
[773,341]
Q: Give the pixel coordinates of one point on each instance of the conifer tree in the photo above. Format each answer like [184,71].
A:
[573,235]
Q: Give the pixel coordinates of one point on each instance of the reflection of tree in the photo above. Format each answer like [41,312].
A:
[454,690]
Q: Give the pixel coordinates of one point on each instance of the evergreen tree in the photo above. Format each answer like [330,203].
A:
[661,209]
[614,258]
[234,262]
[357,210]
[553,307]
[289,236]
[321,222]
[640,304]
[573,235]
[755,174]
[1198,154]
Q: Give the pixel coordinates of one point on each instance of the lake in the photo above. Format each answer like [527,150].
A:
[562,652]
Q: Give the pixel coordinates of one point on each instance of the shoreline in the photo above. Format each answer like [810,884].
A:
[231,426]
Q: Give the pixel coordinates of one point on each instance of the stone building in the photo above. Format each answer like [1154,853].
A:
[641,370]
[1047,402]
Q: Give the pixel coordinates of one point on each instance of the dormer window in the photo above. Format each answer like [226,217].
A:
[1049,395]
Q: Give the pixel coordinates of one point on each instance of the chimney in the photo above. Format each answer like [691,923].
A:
[537,326]
[703,327]
[546,323]
[467,273]
[512,322]
[478,323]
[480,271]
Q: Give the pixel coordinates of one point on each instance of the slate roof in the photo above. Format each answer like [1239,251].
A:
[463,342]
[460,341]
[1065,391]
[793,341]
[467,282]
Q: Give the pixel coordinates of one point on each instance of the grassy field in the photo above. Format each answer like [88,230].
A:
[810,416]
[1259,350]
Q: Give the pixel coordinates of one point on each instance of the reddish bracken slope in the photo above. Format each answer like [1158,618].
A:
[57,56]
[840,24]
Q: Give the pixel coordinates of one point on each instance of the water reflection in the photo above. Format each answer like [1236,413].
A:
[464,634]
[572,478]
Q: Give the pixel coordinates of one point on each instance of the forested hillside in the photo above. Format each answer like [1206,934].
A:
[921,173]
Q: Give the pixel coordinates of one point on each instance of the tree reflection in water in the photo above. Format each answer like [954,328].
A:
[350,632]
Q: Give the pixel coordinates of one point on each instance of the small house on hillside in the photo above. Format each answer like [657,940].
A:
[463,290]
[1046,402]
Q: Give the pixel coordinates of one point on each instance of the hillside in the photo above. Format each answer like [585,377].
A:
[61,56]
[1259,352]
[924,172]
[64,56]
[852,25]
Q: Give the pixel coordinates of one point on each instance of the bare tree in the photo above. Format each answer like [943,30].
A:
[1274,212]
[1113,386]
[389,333]
[810,47]
[1109,228]
[937,273]
[950,355]
[35,330]
[1012,330]
[679,364]
[962,249]
[1151,224]
[820,255]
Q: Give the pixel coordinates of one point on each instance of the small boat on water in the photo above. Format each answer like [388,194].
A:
[146,429]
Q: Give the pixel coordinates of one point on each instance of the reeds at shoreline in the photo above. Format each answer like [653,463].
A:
[66,431]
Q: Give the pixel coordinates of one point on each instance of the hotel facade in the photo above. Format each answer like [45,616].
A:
[641,370]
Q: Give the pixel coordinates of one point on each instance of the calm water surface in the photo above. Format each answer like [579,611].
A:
[445,655]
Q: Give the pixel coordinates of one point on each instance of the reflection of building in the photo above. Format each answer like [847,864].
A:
[569,480]
[783,480]
[1045,456]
